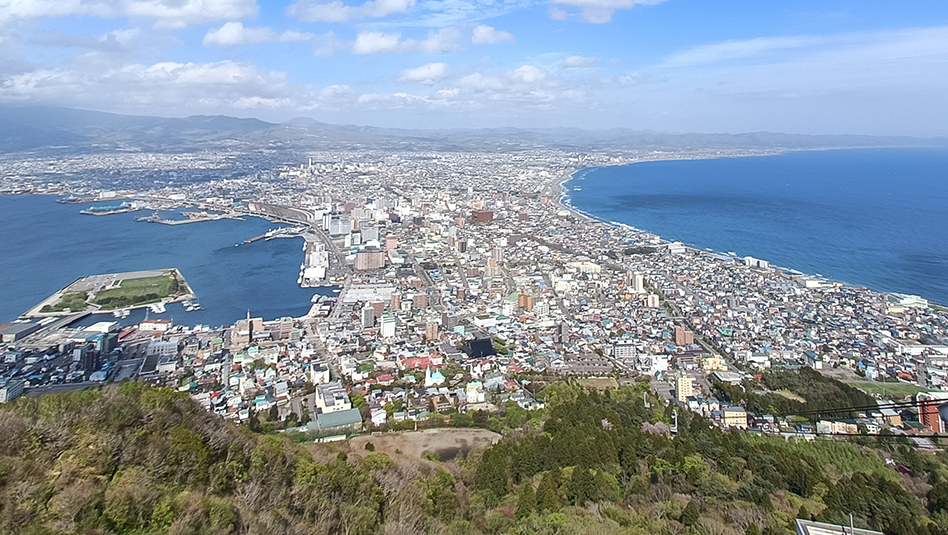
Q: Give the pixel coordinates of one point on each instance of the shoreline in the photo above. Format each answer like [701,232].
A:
[563,202]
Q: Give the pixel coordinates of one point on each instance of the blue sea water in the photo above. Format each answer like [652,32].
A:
[867,217]
[47,245]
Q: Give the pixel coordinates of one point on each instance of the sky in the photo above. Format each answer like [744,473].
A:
[716,66]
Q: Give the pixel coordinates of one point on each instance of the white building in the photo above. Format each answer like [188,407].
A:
[332,397]
[387,326]
[10,390]
[474,391]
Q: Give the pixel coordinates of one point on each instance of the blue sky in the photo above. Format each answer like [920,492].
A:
[868,67]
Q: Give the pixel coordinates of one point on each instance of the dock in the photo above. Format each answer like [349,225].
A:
[154,218]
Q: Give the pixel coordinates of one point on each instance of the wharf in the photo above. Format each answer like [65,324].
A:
[163,221]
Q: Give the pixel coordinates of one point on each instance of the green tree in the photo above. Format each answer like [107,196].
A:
[546,494]
[491,476]
[752,529]
[938,497]
[582,486]
[527,501]
[690,515]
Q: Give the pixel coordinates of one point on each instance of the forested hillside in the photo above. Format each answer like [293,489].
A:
[135,459]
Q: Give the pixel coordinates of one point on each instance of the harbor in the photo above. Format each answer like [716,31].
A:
[227,279]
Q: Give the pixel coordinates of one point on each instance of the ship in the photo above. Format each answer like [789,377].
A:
[107,210]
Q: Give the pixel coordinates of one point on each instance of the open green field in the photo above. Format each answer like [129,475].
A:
[134,292]
[74,301]
[790,395]
[901,389]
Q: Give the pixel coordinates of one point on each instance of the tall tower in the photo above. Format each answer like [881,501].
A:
[249,328]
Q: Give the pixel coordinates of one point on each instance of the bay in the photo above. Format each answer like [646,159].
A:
[866,217]
[47,245]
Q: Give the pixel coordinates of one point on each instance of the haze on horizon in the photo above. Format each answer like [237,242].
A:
[814,67]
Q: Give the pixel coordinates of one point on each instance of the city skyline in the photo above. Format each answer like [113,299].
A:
[673,66]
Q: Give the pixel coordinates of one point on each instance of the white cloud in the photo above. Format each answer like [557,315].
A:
[166,13]
[598,11]
[376,42]
[148,88]
[732,50]
[426,74]
[112,41]
[528,74]
[557,13]
[631,79]
[479,82]
[579,62]
[444,40]
[336,11]
[234,33]
[488,35]
[261,102]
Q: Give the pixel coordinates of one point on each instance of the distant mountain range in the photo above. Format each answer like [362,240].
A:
[66,130]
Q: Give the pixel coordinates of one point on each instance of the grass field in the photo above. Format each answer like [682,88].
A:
[901,389]
[74,301]
[133,292]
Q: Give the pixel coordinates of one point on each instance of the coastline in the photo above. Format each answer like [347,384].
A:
[563,202]
[202,246]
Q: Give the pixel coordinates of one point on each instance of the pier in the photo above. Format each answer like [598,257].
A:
[155,218]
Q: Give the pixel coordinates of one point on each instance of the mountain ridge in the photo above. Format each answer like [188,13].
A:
[31,128]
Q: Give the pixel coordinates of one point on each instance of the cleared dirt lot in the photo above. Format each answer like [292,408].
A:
[447,443]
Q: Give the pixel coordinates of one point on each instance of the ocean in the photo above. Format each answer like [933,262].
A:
[868,217]
[47,245]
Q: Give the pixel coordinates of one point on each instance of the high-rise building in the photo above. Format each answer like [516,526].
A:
[652,301]
[387,326]
[419,301]
[369,260]
[560,335]
[683,387]
[432,331]
[638,282]
[368,317]
[683,337]
[928,414]
[448,321]
[378,307]
[497,254]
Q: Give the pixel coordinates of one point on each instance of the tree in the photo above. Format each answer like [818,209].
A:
[582,486]
[481,419]
[527,501]
[253,422]
[491,475]
[752,529]
[546,494]
[690,515]
[938,497]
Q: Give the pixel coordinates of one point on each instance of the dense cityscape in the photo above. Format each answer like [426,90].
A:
[462,278]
